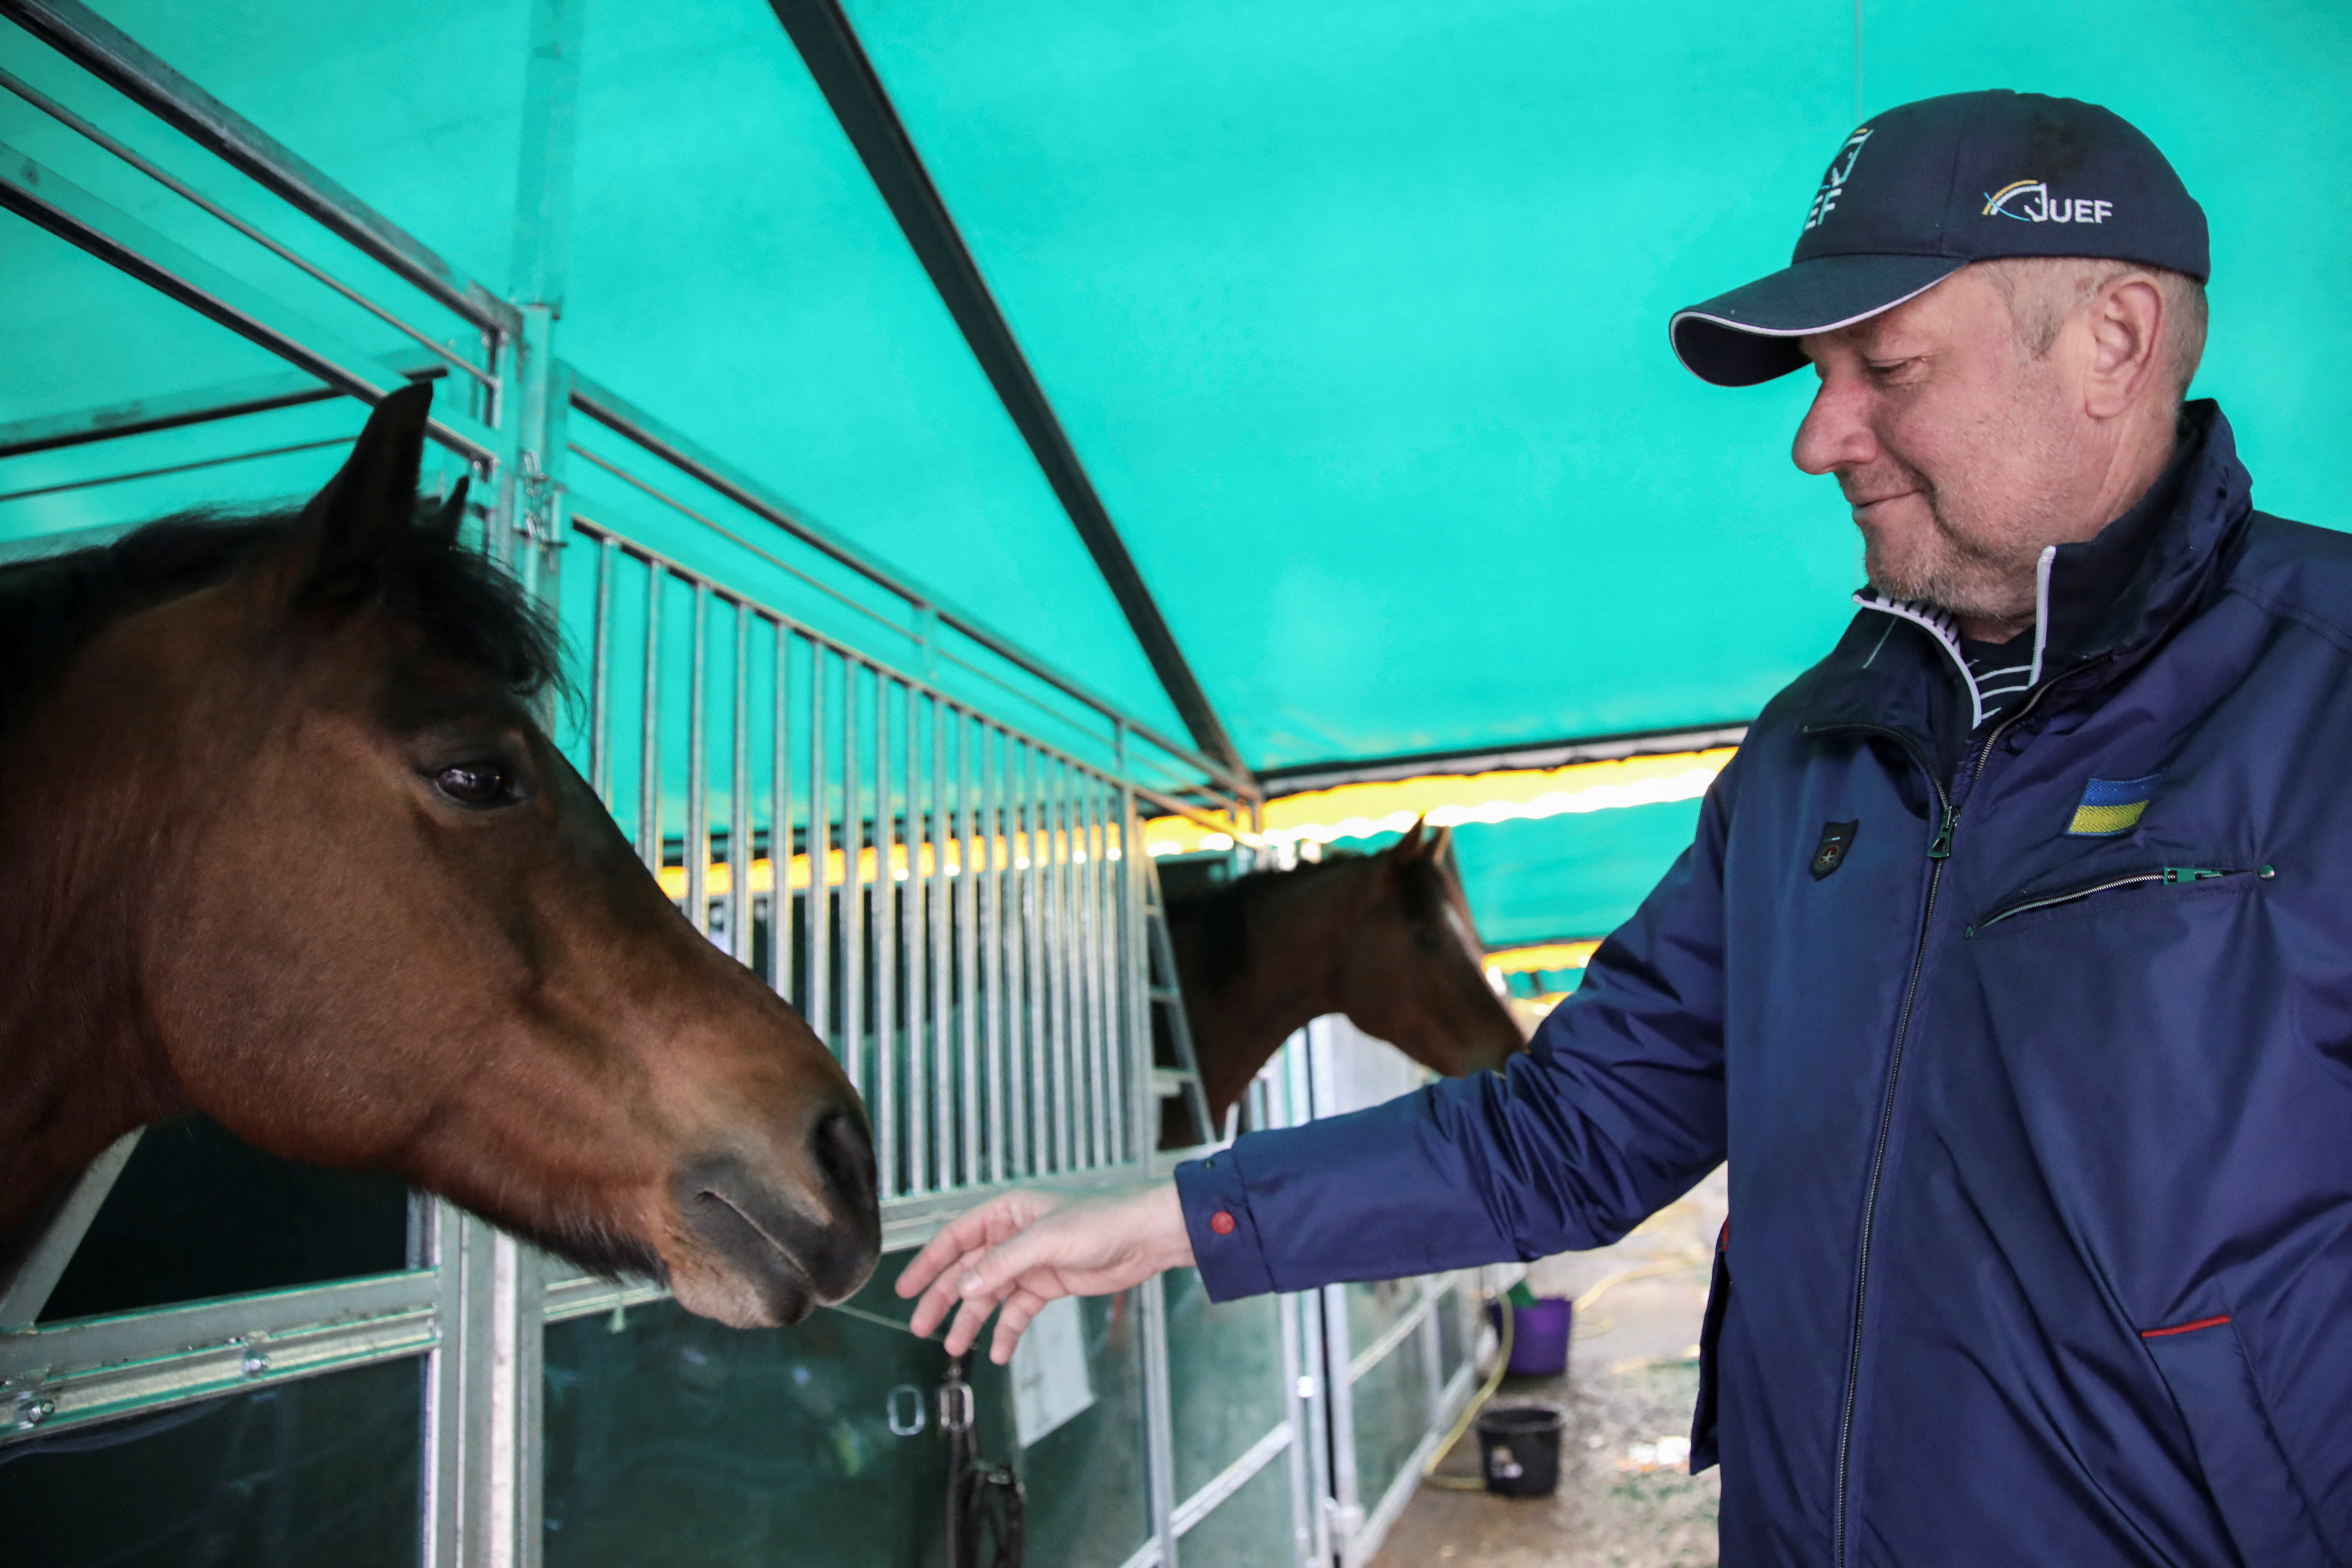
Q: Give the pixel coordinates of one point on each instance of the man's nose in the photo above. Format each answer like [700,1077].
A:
[1835,431]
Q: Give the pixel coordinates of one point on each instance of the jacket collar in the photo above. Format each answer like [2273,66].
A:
[2111,600]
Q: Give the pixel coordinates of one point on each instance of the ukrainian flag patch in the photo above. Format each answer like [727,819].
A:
[2111,806]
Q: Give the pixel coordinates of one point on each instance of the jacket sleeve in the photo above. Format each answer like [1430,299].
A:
[1615,1109]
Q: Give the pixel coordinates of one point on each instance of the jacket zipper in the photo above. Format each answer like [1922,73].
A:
[2168,874]
[1939,851]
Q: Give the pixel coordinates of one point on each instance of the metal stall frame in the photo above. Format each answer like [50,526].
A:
[1048,882]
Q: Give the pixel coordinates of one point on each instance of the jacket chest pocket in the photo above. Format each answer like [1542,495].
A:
[2130,1024]
[2121,894]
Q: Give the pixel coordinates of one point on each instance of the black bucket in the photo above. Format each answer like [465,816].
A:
[1518,1448]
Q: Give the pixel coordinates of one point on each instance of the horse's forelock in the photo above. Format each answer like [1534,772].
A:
[472,612]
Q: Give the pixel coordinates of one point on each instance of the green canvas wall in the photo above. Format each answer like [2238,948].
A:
[1356,313]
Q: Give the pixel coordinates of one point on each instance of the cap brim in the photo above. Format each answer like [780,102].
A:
[1750,334]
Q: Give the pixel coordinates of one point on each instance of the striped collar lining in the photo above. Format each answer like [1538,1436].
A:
[1945,627]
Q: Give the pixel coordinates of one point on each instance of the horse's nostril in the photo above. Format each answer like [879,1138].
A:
[842,1150]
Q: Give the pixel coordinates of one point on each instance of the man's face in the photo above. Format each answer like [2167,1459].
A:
[1961,457]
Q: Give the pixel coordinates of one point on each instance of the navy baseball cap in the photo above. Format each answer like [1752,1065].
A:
[1922,191]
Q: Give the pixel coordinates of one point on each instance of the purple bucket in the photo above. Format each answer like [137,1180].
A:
[1538,1335]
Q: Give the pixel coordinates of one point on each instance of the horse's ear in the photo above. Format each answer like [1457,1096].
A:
[1409,846]
[1440,844]
[366,509]
[443,525]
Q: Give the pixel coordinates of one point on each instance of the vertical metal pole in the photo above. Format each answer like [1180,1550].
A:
[543,183]
[1059,947]
[517,1371]
[529,517]
[1158,1418]
[920,1145]
[935,893]
[599,684]
[815,1005]
[738,795]
[480,1503]
[1081,950]
[1046,1148]
[1298,1408]
[967,951]
[1301,1396]
[1339,1399]
[649,758]
[1110,1114]
[1433,1289]
[1324,1435]
[1081,946]
[697,769]
[1339,1390]
[1135,973]
[780,824]
[853,891]
[442,1488]
[888,1050]
[1118,1038]
[996,855]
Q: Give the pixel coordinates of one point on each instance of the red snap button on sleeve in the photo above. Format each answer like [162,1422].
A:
[1222,1223]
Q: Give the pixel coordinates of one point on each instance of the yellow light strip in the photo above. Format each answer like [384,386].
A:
[1448,800]
[1321,816]
[1539,957]
[1060,850]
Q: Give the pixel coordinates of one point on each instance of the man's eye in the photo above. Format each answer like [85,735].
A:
[475,783]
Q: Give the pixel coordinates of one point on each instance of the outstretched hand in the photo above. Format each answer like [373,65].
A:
[1024,1249]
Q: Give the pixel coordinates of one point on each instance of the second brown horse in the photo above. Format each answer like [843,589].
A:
[1386,939]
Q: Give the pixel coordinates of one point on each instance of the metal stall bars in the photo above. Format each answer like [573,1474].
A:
[944,895]
[855,864]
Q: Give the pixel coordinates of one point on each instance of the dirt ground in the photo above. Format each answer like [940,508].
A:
[1631,1378]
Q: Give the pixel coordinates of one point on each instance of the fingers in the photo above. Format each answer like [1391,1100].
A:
[1045,1244]
[963,1233]
[1020,1308]
[965,1329]
[946,1291]
[973,1231]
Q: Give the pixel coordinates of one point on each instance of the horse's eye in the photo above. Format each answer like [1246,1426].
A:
[475,783]
[1427,939]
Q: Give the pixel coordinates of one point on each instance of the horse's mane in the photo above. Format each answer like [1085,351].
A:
[1219,913]
[51,607]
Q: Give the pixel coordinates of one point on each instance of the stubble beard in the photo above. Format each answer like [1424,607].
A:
[1951,572]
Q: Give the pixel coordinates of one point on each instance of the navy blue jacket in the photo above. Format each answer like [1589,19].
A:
[2037,1099]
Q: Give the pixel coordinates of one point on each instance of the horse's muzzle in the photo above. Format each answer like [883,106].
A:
[799,1230]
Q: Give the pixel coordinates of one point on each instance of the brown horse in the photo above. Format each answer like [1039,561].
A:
[1387,939]
[282,842]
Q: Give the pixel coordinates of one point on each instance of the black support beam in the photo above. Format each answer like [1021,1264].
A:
[838,61]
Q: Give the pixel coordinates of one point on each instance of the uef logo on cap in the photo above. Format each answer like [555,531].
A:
[1924,189]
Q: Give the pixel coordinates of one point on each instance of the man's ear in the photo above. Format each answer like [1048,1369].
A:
[335,547]
[2127,330]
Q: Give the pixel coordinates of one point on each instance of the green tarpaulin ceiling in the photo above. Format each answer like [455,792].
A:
[1354,314]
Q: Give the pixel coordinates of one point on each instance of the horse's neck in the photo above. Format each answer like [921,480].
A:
[1293,933]
[74,1074]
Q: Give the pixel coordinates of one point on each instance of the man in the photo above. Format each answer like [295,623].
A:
[2008,968]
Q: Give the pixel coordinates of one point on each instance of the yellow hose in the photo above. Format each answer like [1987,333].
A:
[1470,1413]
